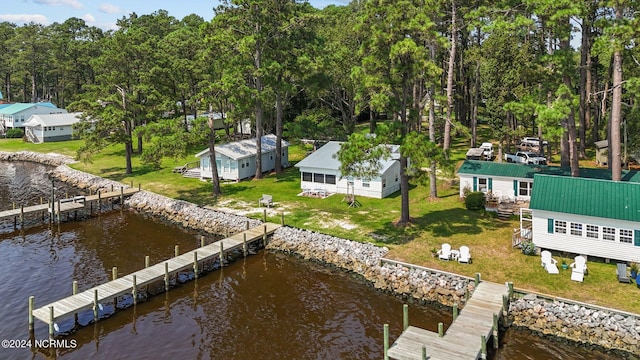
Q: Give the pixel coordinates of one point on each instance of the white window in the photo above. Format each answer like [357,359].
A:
[626,236]
[483,184]
[608,233]
[576,229]
[593,232]
[365,183]
[560,227]
[524,188]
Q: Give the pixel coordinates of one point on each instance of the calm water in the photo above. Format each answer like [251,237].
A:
[266,306]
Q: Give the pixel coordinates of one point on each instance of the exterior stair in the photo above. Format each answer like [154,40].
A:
[192,173]
[504,214]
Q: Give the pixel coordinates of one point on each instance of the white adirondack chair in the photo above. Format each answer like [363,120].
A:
[548,263]
[445,252]
[465,255]
[578,268]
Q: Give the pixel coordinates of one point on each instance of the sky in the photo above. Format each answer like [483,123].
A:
[103,14]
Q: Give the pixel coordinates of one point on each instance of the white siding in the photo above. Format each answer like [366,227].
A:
[499,185]
[582,244]
[374,190]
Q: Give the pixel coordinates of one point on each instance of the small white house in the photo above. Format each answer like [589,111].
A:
[587,216]
[321,171]
[237,160]
[51,127]
[16,115]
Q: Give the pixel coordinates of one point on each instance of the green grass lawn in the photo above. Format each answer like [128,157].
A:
[434,221]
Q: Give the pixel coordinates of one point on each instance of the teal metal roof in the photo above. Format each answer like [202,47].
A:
[19,107]
[524,171]
[590,197]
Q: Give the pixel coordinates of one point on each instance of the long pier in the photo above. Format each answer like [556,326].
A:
[466,337]
[66,205]
[128,285]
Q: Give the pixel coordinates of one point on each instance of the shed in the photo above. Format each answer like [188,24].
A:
[587,216]
[237,160]
[51,127]
[321,171]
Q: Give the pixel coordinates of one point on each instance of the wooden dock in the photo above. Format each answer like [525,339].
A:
[129,284]
[61,206]
[464,338]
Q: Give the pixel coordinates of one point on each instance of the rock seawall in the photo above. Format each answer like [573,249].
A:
[575,322]
[47,159]
[420,284]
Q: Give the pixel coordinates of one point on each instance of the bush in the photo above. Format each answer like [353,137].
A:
[474,201]
[15,133]
[528,248]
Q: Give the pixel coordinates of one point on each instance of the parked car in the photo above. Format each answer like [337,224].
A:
[534,141]
[523,157]
[528,147]
[487,151]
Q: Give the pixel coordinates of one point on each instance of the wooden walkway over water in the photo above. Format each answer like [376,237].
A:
[61,206]
[129,284]
[464,338]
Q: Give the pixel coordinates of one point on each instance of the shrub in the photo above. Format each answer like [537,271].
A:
[15,133]
[528,248]
[474,201]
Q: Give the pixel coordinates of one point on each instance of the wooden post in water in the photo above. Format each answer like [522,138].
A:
[121,198]
[483,347]
[59,211]
[51,328]
[134,290]
[99,202]
[95,305]
[146,261]
[440,329]
[22,216]
[386,341]
[222,253]
[166,276]
[195,264]
[496,342]
[244,244]
[405,316]
[114,273]
[31,301]
[455,312]
[177,250]
[264,235]
[201,241]
[74,287]
[505,304]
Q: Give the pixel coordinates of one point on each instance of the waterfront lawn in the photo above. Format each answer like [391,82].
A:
[434,222]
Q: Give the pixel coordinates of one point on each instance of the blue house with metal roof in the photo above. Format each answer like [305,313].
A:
[16,115]
[587,216]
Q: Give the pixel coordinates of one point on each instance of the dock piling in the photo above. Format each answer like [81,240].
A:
[146,261]
[483,347]
[222,253]
[244,244]
[114,273]
[264,235]
[405,316]
[496,342]
[166,276]
[134,290]
[455,312]
[195,264]
[51,328]
[177,251]
[202,242]
[74,287]
[440,329]
[264,215]
[424,352]
[95,305]
[31,301]
[477,279]
[386,341]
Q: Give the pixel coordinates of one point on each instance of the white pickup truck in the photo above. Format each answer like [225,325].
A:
[524,157]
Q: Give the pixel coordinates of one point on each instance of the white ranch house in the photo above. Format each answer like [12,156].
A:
[237,160]
[16,115]
[587,216]
[514,182]
[321,171]
[51,127]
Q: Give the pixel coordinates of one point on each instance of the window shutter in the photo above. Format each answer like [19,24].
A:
[475,183]
[636,237]
[550,226]
[515,188]
[490,183]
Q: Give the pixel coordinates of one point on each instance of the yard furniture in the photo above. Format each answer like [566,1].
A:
[266,200]
[549,263]
[579,268]
[445,252]
[465,255]
[622,273]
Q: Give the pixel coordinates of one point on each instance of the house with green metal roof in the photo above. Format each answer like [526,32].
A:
[591,217]
[509,181]
[16,115]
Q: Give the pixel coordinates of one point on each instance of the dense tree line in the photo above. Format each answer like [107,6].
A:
[566,71]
